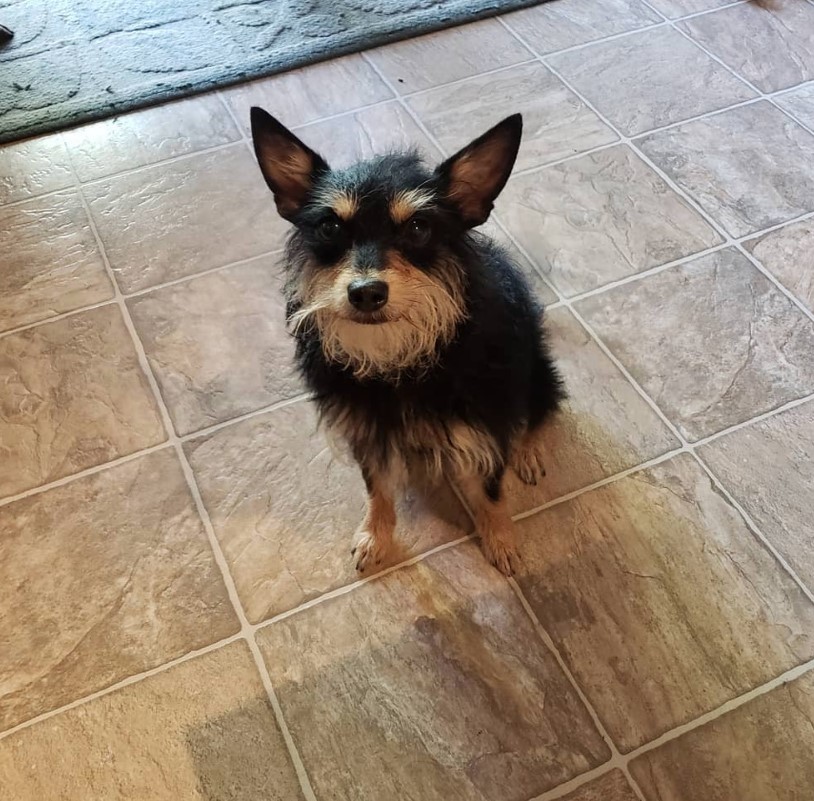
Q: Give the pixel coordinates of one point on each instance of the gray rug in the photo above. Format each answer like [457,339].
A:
[73,61]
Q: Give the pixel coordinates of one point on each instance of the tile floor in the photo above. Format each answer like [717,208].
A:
[179,615]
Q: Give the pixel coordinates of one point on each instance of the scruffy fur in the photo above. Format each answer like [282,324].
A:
[419,337]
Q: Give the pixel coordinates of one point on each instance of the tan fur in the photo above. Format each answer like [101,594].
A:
[374,539]
[494,526]
[473,179]
[437,448]
[527,457]
[422,311]
[291,169]
[456,450]
[451,449]
[344,204]
[405,204]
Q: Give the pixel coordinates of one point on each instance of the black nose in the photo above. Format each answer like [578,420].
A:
[367,295]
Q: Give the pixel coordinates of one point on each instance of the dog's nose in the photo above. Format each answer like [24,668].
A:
[367,295]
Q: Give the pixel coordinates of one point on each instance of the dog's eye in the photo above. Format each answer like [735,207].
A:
[329,230]
[418,231]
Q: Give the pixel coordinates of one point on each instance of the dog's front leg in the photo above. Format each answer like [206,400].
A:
[493,523]
[374,538]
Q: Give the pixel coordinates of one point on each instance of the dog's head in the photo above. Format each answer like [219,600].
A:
[375,260]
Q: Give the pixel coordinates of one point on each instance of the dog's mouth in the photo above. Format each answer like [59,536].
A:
[369,318]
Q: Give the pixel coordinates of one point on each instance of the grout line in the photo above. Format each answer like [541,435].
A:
[602,482]
[698,13]
[635,384]
[616,760]
[728,706]
[635,277]
[209,271]
[758,534]
[624,138]
[181,157]
[532,59]
[220,558]
[675,733]
[564,159]
[119,685]
[230,112]
[732,242]
[203,432]
[89,471]
[583,45]
[338,592]
[57,317]
[43,196]
[754,420]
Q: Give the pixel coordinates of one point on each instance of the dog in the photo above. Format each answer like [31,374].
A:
[419,338]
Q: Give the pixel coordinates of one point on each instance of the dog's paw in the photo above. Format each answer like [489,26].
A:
[369,552]
[528,463]
[502,553]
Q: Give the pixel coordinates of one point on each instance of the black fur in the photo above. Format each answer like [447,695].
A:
[497,374]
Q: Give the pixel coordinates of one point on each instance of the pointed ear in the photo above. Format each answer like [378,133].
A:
[289,166]
[475,176]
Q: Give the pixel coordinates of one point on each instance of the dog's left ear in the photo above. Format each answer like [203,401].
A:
[475,175]
[289,166]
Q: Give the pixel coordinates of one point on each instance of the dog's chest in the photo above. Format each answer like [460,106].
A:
[439,446]
[448,447]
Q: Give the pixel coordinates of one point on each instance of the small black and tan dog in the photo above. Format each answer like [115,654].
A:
[419,338]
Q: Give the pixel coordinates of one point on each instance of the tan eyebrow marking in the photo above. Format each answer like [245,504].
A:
[405,204]
[344,204]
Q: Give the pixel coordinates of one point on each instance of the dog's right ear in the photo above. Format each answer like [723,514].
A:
[289,166]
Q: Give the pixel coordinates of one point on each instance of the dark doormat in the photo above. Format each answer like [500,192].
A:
[72,61]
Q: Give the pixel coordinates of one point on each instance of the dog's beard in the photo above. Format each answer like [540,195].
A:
[423,313]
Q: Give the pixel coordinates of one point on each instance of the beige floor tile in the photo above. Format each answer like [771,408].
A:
[660,599]
[713,342]
[600,217]
[311,93]
[74,396]
[172,220]
[102,578]
[429,684]
[679,8]
[285,510]
[749,168]
[788,253]
[604,427]
[799,103]
[758,752]
[201,731]
[555,26]
[556,124]
[367,133]
[150,135]
[650,79]
[542,291]
[780,37]
[218,344]
[769,469]
[449,55]
[612,786]
[32,167]
[51,263]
